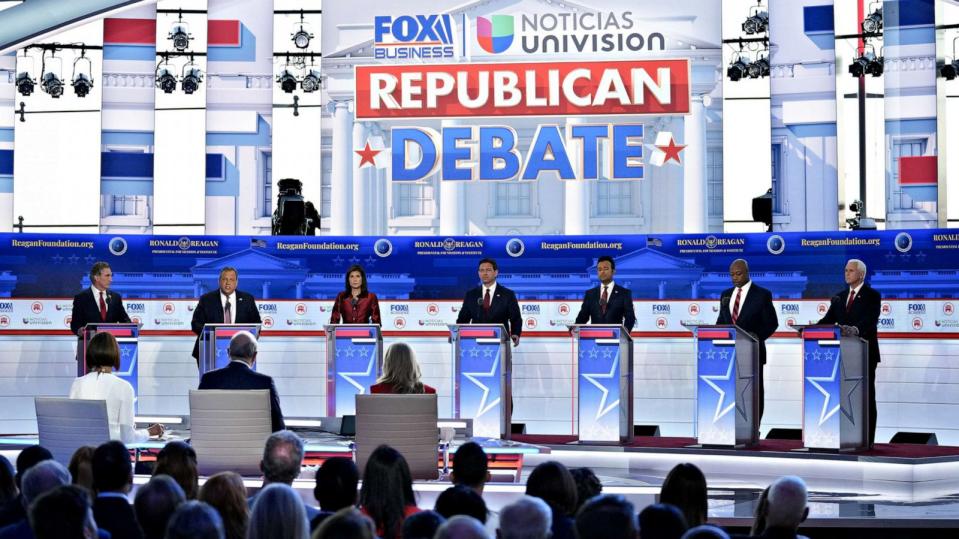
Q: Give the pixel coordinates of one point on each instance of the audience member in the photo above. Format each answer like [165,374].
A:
[461,527]
[422,525]
[401,372]
[39,479]
[178,460]
[759,517]
[608,516]
[63,513]
[335,489]
[15,510]
[347,523]
[155,503]
[661,521]
[552,482]
[195,520]
[587,485]
[471,468]
[8,487]
[281,463]
[461,500]
[278,513]
[81,467]
[705,531]
[226,493]
[112,480]
[526,518]
[786,508]
[387,492]
[685,488]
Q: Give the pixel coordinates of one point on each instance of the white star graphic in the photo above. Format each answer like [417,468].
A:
[361,390]
[472,377]
[824,415]
[603,408]
[708,378]
[127,351]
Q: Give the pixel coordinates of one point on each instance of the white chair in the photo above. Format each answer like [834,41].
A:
[228,429]
[64,425]
[406,423]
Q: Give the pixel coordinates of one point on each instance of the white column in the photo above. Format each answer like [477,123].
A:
[452,203]
[341,196]
[695,186]
[576,197]
[361,179]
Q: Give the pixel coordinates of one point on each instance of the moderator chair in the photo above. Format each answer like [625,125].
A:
[406,423]
[228,429]
[65,425]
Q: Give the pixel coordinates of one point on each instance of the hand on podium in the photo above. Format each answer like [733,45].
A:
[156,429]
[849,331]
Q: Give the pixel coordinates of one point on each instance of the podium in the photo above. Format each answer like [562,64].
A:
[482,376]
[215,341]
[604,382]
[727,403]
[354,360]
[835,389]
[127,336]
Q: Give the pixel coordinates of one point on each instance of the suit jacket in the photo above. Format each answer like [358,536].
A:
[367,310]
[237,375]
[757,314]
[116,516]
[504,309]
[86,310]
[863,314]
[619,308]
[210,311]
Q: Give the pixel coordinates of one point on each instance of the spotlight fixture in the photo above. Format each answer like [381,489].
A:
[759,68]
[947,71]
[25,83]
[192,77]
[82,80]
[756,23]
[872,24]
[738,69]
[165,79]
[180,34]
[867,64]
[287,80]
[876,67]
[302,37]
[311,82]
[52,84]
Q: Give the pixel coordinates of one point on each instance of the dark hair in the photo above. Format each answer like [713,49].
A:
[226,493]
[609,516]
[81,467]
[195,520]
[387,489]
[336,482]
[587,485]
[97,268]
[461,500]
[155,503]
[178,460]
[347,523]
[359,268]
[489,261]
[8,487]
[685,487]
[552,483]
[470,467]
[604,258]
[662,521]
[111,467]
[60,513]
[422,525]
[103,351]
[28,458]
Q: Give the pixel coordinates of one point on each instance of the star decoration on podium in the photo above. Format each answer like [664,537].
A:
[361,390]
[603,408]
[709,379]
[367,155]
[474,377]
[848,409]
[826,411]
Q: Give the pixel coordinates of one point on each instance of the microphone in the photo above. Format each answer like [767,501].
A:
[479,301]
[724,302]
[355,301]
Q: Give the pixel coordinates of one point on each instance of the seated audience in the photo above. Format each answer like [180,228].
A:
[8,487]
[278,513]
[661,521]
[239,374]
[281,463]
[178,460]
[225,493]
[685,488]
[552,482]
[39,479]
[607,516]
[526,518]
[587,485]
[195,520]
[63,513]
[461,527]
[335,489]
[347,523]
[461,500]
[471,468]
[387,492]
[81,467]
[112,480]
[786,508]
[705,531]
[401,372]
[15,510]
[155,503]
[422,525]
[759,517]
[103,356]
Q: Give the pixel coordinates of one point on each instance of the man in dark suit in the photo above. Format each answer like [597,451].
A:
[97,304]
[239,374]
[856,308]
[226,305]
[112,480]
[608,303]
[750,307]
[491,303]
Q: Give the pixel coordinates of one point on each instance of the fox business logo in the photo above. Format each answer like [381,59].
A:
[887,323]
[6,306]
[531,309]
[267,308]
[137,307]
[413,37]
[661,308]
[399,309]
[917,308]
[789,308]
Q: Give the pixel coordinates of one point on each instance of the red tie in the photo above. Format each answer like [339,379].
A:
[486,300]
[739,294]
[602,301]
[103,308]
[852,296]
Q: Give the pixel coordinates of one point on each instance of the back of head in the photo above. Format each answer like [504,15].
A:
[526,518]
[552,482]
[112,471]
[461,527]
[608,516]
[242,347]
[178,460]
[278,513]
[62,513]
[685,488]
[8,486]
[387,489]
[661,521]
[705,532]
[401,370]
[422,525]
[786,503]
[103,351]
[336,482]
[470,466]
[587,485]
[282,457]
[226,493]
[461,500]
[195,520]
[42,478]
[346,523]
[28,458]
[155,503]
[81,467]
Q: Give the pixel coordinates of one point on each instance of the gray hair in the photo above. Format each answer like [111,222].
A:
[278,513]
[786,502]
[43,477]
[195,520]
[242,346]
[282,457]
[526,518]
[860,265]
[461,527]
[228,268]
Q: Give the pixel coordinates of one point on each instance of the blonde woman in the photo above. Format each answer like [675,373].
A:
[401,372]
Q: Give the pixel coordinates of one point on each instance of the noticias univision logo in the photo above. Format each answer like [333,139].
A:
[413,37]
[495,34]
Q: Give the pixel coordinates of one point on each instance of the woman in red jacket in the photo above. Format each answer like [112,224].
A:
[356,304]
[401,372]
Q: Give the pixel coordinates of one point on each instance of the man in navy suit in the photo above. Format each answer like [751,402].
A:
[856,308]
[226,305]
[492,303]
[750,307]
[97,304]
[608,303]
[239,374]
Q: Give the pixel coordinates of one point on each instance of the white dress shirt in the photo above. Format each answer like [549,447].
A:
[742,299]
[492,292]
[96,297]
[232,298]
[119,396]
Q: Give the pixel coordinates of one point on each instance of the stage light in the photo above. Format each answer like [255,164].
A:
[287,81]
[180,34]
[757,23]
[165,80]
[876,67]
[947,71]
[872,24]
[25,83]
[738,69]
[82,80]
[302,37]
[866,64]
[192,77]
[52,84]
[311,82]
[759,68]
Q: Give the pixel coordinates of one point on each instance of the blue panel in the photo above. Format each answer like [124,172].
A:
[228,184]
[129,52]
[126,165]
[908,13]
[127,187]
[6,184]
[6,135]
[923,127]
[817,19]
[6,162]
[260,138]
[813,130]
[214,165]
[246,52]
[131,138]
